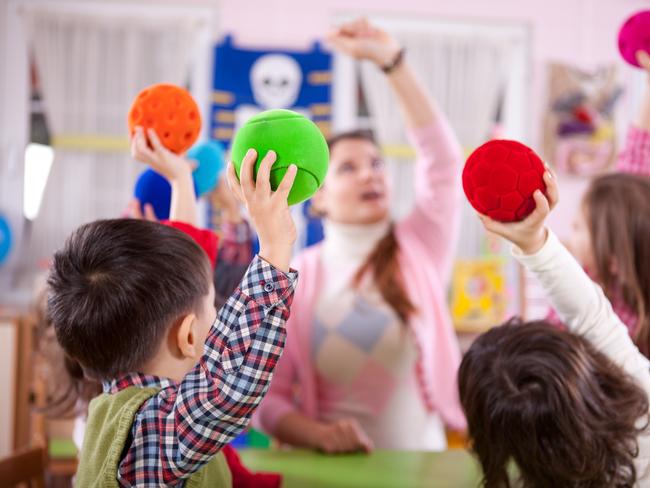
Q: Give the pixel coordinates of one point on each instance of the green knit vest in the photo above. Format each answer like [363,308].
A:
[110,418]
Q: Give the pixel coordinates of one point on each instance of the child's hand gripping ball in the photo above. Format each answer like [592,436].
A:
[171,111]
[500,178]
[295,140]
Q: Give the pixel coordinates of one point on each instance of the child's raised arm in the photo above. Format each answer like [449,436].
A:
[177,170]
[268,210]
[183,427]
[644,114]
[580,302]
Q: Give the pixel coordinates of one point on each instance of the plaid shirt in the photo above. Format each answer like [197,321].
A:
[182,427]
[635,156]
[236,243]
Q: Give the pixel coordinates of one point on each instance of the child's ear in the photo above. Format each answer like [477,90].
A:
[186,337]
[613,265]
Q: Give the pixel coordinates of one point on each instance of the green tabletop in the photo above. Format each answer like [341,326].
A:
[390,469]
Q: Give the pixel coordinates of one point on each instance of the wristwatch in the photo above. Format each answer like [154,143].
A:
[397,60]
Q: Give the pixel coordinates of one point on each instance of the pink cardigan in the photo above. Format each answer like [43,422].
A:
[427,241]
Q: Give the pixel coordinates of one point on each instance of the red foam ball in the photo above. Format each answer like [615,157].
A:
[500,177]
[171,111]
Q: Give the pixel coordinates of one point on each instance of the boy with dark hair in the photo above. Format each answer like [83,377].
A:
[132,302]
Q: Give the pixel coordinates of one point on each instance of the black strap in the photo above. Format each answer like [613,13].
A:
[397,60]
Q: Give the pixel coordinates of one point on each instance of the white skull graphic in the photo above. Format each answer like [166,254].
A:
[276,80]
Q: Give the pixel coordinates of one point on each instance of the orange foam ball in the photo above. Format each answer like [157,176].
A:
[171,111]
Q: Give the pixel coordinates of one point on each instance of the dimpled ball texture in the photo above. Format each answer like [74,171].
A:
[500,178]
[171,111]
[295,139]
[634,36]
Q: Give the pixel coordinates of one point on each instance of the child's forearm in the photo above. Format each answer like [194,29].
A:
[416,104]
[299,430]
[643,120]
[183,206]
[582,305]
[277,256]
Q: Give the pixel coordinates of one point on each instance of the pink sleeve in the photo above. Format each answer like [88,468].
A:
[635,156]
[292,388]
[279,400]
[434,218]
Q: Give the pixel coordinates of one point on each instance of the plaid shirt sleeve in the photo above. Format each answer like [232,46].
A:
[236,243]
[635,156]
[185,424]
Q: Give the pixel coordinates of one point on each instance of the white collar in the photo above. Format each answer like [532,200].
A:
[354,241]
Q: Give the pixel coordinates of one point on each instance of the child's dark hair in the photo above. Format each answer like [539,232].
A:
[66,392]
[617,210]
[549,401]
[382,262]
[117,286]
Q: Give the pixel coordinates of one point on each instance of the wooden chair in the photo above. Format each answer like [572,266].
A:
[26,467]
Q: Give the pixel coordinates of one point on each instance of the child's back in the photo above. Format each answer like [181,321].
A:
[569,410]
[133,302]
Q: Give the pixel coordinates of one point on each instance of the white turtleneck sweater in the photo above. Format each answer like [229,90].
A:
[364,355]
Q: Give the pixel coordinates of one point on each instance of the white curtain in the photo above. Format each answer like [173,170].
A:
[90,68]
[466,75]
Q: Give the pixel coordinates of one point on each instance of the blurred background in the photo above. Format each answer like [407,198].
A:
[544,72]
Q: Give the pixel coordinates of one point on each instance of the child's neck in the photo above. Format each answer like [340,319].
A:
[167,365]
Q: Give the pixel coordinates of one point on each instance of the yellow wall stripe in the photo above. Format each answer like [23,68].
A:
[91,142]
[404,151]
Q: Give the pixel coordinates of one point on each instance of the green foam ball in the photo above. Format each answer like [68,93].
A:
[295,140]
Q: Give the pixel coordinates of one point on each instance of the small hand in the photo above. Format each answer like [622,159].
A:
[344,436]
[529,234]
[161,159]
[362,40]
[227,202]
[268,209]
[643,58]
[134,211]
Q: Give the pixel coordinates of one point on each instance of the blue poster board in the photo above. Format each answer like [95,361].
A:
[249,81]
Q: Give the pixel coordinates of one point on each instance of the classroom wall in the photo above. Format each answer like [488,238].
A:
[580,32]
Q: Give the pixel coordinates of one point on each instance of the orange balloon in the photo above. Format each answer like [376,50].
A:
[171,111]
